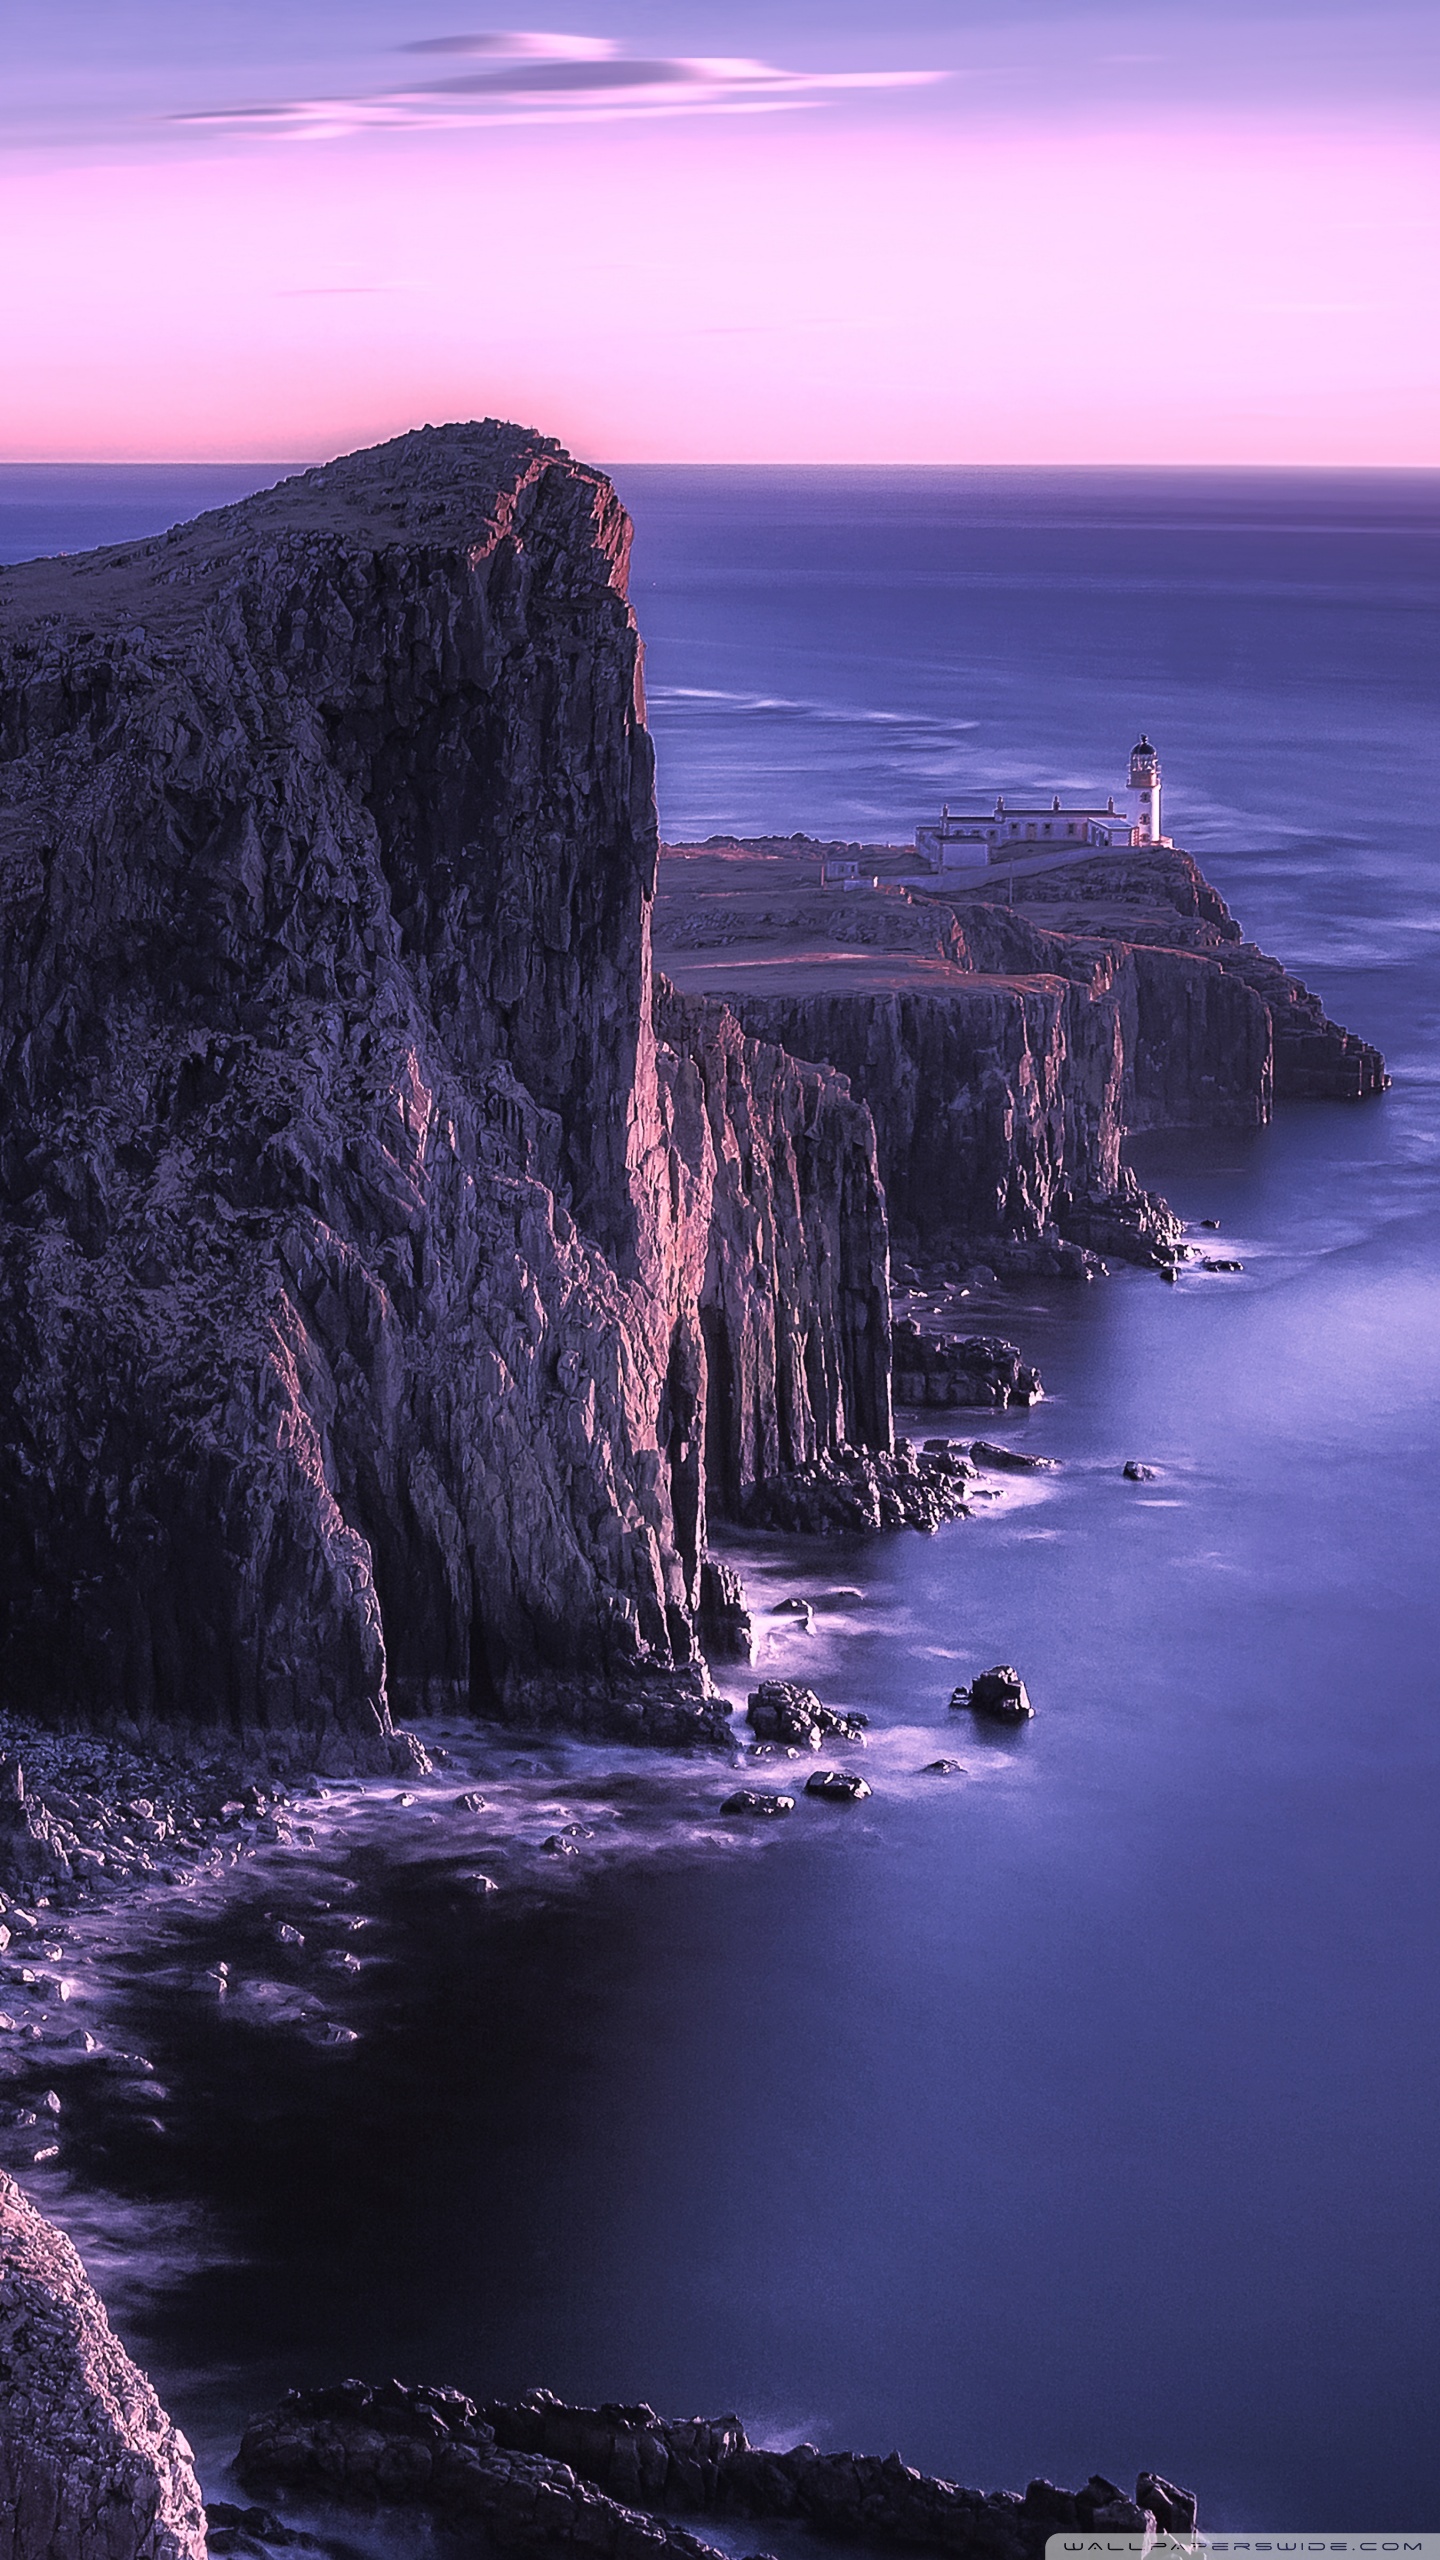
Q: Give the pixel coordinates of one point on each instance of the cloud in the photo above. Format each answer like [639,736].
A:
[547,79]
[520,46]
[542,79]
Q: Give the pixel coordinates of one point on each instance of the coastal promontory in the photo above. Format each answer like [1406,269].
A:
[382,1287]
[397,1274]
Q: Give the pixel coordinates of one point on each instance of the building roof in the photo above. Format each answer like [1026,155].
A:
[1022,809]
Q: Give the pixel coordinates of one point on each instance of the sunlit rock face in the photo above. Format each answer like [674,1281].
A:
[90,2466]
[382,1298]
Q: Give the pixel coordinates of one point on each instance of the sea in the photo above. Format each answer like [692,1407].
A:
[1075,2110]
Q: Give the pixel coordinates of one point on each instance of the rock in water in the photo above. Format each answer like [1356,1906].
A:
[725,1626]
[90,2466]
[1174,2509]
[786,1711]
[837,1786]
[956,1369]
[988,1453]
[391,1272]
[999,1692]
[756,1800]
[1137,1472]
[519,2466]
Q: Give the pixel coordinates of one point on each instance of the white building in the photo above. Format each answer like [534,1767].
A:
[970,840]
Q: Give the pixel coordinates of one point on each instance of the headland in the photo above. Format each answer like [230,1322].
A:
[400,1271]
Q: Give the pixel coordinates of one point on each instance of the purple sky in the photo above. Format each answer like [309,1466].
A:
[1184,230]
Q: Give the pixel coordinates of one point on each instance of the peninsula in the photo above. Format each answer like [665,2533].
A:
[400,1270]
[397,1272]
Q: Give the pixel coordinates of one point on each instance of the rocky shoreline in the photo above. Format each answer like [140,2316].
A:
[542,2475]
[399,1276]
[398,1272]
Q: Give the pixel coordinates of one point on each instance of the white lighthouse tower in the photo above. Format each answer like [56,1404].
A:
[1145,783]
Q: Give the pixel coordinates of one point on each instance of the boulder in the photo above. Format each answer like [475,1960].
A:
[786,1711]
[1000,1692]
[988,1453]
[756,1800]
[836,1786]
[1173,2509]
[1138,1473]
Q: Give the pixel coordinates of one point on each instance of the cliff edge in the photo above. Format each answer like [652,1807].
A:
[1008,1035]
[378,1289]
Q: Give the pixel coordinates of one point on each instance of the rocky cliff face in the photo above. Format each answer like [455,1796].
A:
[1156,900]
[372,1280]
[1006,1051]
[1001,1105]
[90,2466]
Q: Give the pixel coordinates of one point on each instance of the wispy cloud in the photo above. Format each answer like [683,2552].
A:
[537,78]
[519,45]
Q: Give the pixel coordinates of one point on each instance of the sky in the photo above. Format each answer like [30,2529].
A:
[863,231]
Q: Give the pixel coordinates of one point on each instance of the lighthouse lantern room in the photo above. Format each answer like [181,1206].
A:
[1145,783]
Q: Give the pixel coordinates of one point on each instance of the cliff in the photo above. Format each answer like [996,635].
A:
[375,1282]
[90,2466]
[1006,1050]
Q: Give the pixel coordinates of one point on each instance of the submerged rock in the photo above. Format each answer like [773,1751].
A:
[758,1801]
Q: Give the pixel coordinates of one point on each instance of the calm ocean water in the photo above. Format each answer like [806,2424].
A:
[1078,2112]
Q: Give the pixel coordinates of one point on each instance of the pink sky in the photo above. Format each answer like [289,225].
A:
[742,287]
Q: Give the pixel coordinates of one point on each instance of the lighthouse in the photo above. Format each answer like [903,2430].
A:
[1145,783]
